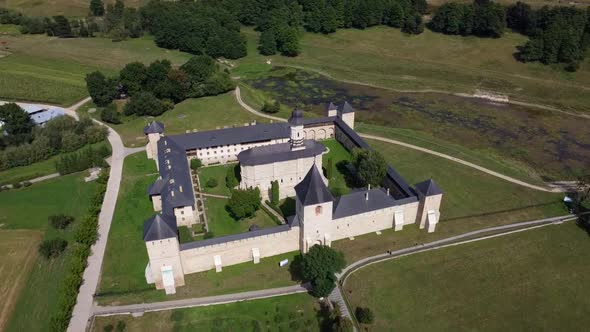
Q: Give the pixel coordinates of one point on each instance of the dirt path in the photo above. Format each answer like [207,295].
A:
[555,187]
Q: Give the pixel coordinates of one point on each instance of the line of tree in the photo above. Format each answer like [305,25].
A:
[83,159]
[24,143]
[197,27]
[557,35]
[155,88]
[56,26]
[482,18]
[115,20]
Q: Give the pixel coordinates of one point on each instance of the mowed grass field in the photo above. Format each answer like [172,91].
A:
[29,209]
[123,271]
[298,312]
[472,200]
[19,251]
[386,57]
[206,113]
[53,70]
[530,281]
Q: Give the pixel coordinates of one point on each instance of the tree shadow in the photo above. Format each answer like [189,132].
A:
[296,269]
[348,171]
[288,207]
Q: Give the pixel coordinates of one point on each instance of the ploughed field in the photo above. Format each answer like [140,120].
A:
[554,144]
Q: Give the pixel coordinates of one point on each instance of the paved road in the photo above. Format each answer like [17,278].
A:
[200,301]
[562,186]
[83,308]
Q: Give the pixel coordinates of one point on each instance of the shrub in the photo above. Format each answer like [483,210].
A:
[196,163]
[212,183]
[52,248]
[109,114]
[271,107]
[27,184]
[60,221]
[364,315]
[16,185]
[231,180]
[274,193]
[244,202]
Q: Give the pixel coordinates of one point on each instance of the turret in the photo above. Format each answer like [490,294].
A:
[154,131]
[331,109]
[346,113]
[297,133]
[160,235]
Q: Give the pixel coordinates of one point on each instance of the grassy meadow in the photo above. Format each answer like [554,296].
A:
[298,312]
[200,114]
[69,195]
[70,8]
[533,281]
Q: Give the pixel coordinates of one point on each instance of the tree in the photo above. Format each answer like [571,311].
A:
[231,180]
[274,193]
[145,103]
[17,123]
[288,42]
[342,324]
[364,315]
[102,90]
[244,203]
[96,7]
[199,68]
[267,44]
[133,77]
[61,27]
[413,24]
[370,166]
[271,107]
[109,114]
[319,266]
[196,163]
[519,17]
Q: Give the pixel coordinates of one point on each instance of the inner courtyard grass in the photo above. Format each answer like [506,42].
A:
[472,200]
[298,312]
[218,173]
[20,248]
[221,223]
[207,113]
[69,195]
[340,156]
[529,281]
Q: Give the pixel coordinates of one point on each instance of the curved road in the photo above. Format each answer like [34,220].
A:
[556,188]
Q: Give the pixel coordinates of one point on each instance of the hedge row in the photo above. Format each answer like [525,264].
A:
[85,236]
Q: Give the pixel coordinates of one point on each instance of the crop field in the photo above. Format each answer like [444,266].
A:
[529,281]
[554,144]
[19,251]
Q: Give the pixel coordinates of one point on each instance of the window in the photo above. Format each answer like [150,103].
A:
[318,210]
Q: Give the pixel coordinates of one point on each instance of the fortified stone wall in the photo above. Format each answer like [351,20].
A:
[239,251]
[227,153]
[319,132]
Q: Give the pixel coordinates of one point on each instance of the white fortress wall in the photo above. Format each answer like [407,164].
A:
[227,153]
[165,253]
[321,132]
[238,251]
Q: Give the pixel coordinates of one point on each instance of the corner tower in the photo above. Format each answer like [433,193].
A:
[346,113]
[314,204]
[164,268]
[154,131]
[430,196]
[297,133]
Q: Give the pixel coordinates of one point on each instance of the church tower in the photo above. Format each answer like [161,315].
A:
[297,133]
[154,131]
[314,210]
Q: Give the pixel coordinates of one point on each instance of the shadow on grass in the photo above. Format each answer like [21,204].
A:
[499,211]
[288,207]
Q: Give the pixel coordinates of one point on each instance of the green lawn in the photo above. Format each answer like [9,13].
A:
[70,8]
[455,63]
[298,312]
[529,281]
[29,208]
[218,173]
[126,256]
[233,279]
[340,157]
[221,222]
[200,114]
[472,200]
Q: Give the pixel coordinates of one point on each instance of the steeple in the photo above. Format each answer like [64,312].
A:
[297,134]
[312,189]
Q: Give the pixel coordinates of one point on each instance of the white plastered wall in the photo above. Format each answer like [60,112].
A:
[161,253]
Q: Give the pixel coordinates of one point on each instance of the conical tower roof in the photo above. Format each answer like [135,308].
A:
[312,189]
[159,227]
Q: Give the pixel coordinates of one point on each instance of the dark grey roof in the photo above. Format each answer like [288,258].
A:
[345,108]
[153,127]
[177,189]
[312,189]
[156,187]
[428,188]
[159,227]
[356,203]
[296,118]
[279,152]
[235,237]
[228,136]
